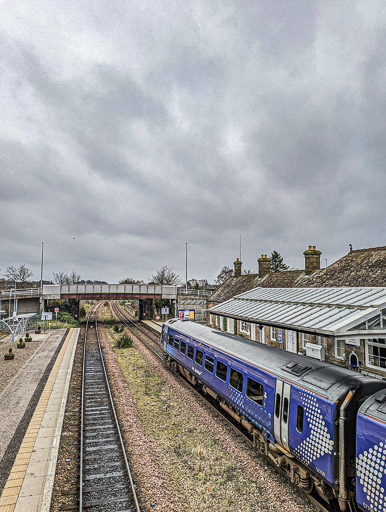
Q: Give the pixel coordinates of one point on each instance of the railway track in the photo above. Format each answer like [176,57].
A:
[106,484]
[137,330]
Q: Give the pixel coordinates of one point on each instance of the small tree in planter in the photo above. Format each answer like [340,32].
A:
[38,330]
[21,343]
[9,356]
[27,337]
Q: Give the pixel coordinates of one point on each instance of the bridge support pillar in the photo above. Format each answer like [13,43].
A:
[146,309]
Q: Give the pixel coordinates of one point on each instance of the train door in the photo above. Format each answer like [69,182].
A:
[281,413]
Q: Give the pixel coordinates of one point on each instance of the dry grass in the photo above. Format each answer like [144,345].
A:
[204,476]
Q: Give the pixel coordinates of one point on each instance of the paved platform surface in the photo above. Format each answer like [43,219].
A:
[30,482]
[153,324]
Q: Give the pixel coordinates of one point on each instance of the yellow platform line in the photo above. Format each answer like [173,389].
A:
[13,485]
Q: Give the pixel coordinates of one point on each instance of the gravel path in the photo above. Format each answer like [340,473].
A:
[18,400]
[8,369]
[184,457]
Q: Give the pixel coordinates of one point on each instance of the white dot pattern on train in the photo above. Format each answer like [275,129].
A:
[319,442]
[371,467]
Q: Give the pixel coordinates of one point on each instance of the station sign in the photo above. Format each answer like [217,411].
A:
[47,315]
[187,314]
[164,311]
[56,310]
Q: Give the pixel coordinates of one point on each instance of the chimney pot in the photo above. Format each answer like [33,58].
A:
[264,265]
[237,265]
[311,260]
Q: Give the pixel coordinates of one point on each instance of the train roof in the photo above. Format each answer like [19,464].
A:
[375,406]
[329,380]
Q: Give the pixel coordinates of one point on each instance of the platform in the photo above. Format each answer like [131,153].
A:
[30,482]
[155,326]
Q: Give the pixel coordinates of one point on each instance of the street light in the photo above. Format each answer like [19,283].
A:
[186,268]
[41,279]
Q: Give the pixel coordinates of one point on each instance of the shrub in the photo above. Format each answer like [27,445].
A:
[124,341]
[67,318]
[82,312]
[109,321]
[118,328]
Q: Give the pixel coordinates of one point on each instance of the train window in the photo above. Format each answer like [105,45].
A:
[277,408]
[190,352]
[183,347]
[255,391]
[221,371]
[176,343]
[209,364]
[236,380]
[199,357]
[170,340]
[299,419]
[285,410]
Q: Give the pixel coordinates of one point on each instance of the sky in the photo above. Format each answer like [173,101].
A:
[129,129]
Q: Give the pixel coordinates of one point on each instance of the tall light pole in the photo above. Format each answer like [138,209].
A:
[186,267]
[41,278]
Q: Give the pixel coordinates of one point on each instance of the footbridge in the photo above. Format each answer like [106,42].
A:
[108,291]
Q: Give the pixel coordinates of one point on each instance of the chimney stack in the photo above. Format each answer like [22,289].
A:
[264,265]
[311,259]
[237,264]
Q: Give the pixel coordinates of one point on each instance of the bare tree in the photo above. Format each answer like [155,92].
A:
[166,275]
[74,277]
[60,277]
[130,280]
[223,275]
[19,274]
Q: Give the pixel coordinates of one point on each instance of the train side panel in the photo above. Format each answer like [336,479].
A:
[371,457]
[311,433]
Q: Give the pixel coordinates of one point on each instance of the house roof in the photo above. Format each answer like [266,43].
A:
[325,310]
[361,267]
[235,285]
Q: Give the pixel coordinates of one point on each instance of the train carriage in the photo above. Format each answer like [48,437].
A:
[298,410]
[371,454]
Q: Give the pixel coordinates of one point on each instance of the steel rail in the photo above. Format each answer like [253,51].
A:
[114,414]
[223,414]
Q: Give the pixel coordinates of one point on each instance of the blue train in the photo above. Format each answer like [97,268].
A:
[322,424]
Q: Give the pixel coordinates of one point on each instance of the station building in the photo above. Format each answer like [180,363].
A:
[336,314]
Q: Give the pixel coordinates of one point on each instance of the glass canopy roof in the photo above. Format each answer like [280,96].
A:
[318,309]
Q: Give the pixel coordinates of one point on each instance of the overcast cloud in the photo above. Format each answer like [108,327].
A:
[135,127]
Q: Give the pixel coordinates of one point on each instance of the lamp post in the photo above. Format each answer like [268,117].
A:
[41,278]
[186,268]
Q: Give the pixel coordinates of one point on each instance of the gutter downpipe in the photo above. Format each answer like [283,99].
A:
[342,500]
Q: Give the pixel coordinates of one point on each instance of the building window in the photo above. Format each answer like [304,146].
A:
[376,353]
[236,380]
[272,332]
[255,391]
[210,318]
[340,349]
[245,327]
[323,341]
[308,338]
[216,320]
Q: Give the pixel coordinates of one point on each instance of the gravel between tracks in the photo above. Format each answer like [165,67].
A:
[183,456]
